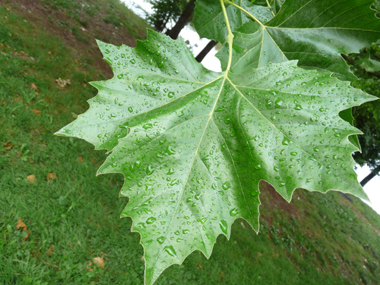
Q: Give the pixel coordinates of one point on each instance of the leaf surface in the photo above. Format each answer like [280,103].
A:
[315,32]
[368,63]
[193,145]
[210,23]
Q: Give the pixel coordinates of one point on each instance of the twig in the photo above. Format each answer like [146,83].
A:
[47,263]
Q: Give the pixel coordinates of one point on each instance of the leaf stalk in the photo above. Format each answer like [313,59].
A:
[230,36]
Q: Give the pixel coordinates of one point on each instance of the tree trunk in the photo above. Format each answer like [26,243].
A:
[185,17]
[370,176]
[206,50]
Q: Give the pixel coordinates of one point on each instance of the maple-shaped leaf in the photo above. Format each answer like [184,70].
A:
[193,145]
[315,32]
[210,22]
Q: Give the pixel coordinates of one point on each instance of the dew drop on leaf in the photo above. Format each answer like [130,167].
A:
[285,141]
[202,221]
[147,126]
[234,212]
[223,226]
[161,239]
[170,250]
[226,185]
[170,150]
[150,220]
[149,170]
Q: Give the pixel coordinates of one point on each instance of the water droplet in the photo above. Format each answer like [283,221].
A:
[227,120]
[171,94]
[147,126]
[298,107]
[149,170]
[278,103]
[234,212]
[316,149]
[170,250]
[233,134]
[258,166]
[285,141]
[120,76]
[223,226]
[150,220]
[226,185]
[141,225]
[161,240]
[170,150]
[171,171]
[185,231]
[202,221]
[133,61]
[130,109]
[122,127]
[293,153]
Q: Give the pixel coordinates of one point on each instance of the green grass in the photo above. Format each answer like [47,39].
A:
[77,214]
[110,11]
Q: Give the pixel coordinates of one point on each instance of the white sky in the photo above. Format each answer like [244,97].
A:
[372,188]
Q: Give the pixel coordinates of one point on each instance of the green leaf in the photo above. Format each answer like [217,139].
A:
[347,116]
[193,145]
[210,23]
[315,32]
[368,63]
[276,5]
